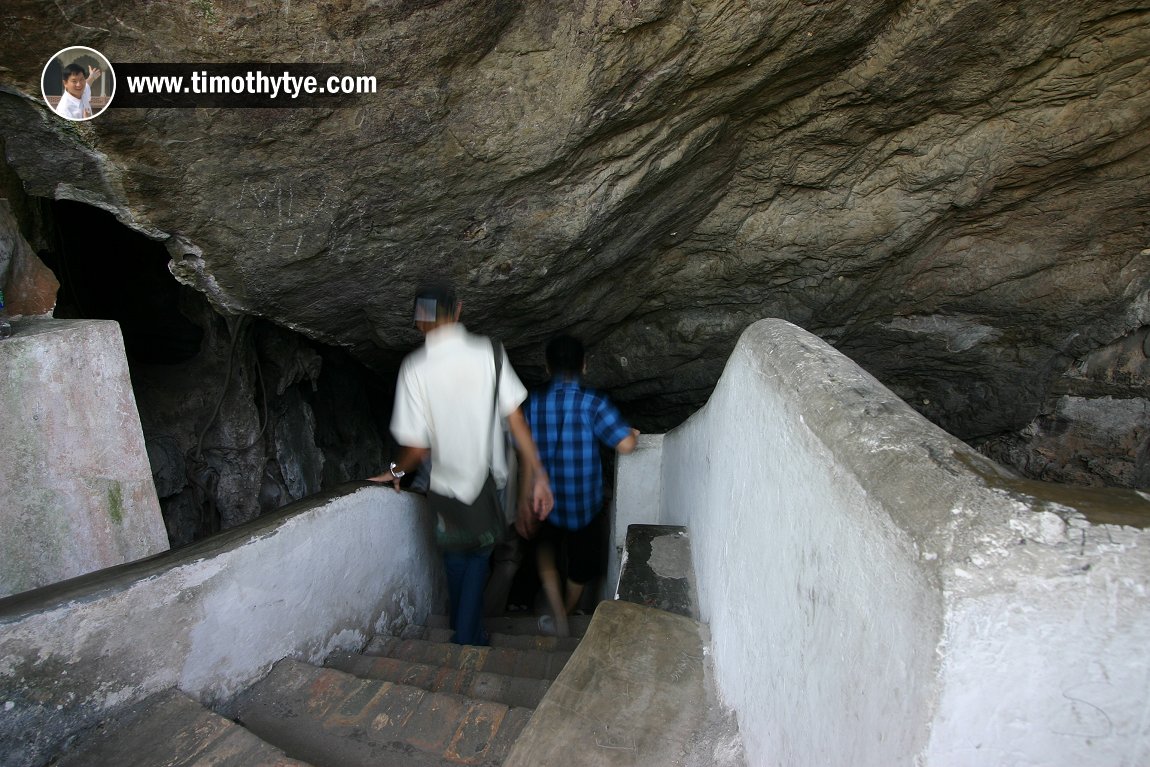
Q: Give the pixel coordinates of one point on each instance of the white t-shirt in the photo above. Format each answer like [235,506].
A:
[444,401]
[71,107]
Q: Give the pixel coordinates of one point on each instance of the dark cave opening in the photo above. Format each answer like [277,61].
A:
[240,416]
[110,272]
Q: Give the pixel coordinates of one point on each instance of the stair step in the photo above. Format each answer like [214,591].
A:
[334,719]
[517,624]
[170,728]
[516,641]
[509,661]
[500,688]
[639,691]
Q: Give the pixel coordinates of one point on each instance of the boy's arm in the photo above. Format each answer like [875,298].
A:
[627,444]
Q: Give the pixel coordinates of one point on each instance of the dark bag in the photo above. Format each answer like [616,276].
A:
[461,526]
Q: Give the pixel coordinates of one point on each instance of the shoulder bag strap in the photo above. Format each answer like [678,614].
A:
[497,351]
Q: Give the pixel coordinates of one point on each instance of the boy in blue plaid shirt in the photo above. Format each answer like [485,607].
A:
[568,423]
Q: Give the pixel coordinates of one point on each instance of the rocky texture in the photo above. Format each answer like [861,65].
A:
[1095,427]
[26,278]
[954,193]
[240,416]
[258,418]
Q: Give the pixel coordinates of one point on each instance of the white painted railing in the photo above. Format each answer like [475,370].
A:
[320,575]
[880,594]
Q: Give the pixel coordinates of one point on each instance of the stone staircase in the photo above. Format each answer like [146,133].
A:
[632,688]
[414,699]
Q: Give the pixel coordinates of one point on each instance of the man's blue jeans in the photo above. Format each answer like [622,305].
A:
[466,580]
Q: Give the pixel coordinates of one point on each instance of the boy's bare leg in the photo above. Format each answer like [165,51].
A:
[549,576]
[574,594]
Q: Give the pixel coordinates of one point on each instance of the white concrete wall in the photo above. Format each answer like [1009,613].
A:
[213,617]
[637,500]
[76,491]
[879,594]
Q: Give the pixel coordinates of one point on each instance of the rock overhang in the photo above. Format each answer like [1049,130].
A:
[960,212]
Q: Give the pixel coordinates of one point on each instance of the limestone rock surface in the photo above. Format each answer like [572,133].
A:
[955,193]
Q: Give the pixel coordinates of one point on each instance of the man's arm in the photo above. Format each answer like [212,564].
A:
[409,460]
[535,498]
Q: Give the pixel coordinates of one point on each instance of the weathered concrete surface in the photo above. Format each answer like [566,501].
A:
[636,692]
[76,491]
[656,570]
[951,191]
[213,617]
[879,593]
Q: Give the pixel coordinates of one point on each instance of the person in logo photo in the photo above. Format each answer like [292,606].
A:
[76,101]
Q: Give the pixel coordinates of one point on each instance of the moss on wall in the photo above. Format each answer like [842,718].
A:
[116,501]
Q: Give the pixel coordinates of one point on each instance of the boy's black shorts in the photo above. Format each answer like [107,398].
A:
[584,549]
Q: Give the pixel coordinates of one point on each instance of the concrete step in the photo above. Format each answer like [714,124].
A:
[509,661]
[516,641]
[500,688]
[523,624]
[636,692]
[171,729]
[334,719]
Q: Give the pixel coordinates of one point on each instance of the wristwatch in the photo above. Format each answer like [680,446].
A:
[394,473]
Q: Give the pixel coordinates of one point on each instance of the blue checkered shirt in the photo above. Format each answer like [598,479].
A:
[567,423]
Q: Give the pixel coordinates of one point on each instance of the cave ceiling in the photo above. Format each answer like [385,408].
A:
[953,192]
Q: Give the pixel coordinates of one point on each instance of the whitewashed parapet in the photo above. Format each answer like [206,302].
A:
[320,575]
[879,593]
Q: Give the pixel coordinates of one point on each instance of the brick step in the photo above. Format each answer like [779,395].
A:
[516,641]
[509,661]
[334,719]
[170,728]
[517,624]
[500,688]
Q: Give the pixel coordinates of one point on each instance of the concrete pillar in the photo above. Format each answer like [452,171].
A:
[76,491]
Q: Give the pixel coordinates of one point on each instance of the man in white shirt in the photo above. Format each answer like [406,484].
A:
[72,104]
[76,102]
[446,406]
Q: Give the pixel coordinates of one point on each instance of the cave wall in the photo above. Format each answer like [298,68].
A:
[953,193]
[260,417]
[240,417]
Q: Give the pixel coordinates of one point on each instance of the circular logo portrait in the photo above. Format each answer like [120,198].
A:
[78,83]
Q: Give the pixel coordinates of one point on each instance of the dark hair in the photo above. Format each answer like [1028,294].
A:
[441,294]
[565,356]
[73,69]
